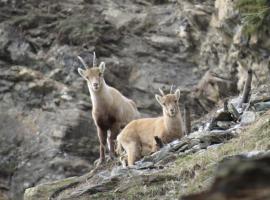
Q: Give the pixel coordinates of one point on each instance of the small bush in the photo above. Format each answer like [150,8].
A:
[255,15]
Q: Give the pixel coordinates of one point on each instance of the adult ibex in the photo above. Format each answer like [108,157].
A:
[111,111]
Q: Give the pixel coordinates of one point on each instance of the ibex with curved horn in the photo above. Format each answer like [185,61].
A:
[111,110]
[138,137]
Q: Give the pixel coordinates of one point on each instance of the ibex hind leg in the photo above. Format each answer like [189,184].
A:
[133,153]
[124,161]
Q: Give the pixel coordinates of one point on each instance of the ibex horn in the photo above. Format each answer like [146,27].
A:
[171,90]
[161,91]
[82,61]
[94,60]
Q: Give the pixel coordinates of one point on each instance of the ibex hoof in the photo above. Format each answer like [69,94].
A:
[110,158]
[99,162]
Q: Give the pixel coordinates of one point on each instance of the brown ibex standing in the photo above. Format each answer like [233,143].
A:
[140,136]
[111,111]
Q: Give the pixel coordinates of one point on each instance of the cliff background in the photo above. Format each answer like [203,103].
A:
[46,128]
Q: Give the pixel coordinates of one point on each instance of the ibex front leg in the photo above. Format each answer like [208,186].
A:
[102,135]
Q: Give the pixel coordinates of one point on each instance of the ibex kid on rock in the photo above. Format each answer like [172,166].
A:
[139,137]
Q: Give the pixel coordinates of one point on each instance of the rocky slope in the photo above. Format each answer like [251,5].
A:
[46,129]
[236,150]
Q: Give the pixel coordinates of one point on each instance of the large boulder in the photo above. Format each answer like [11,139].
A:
[239,178]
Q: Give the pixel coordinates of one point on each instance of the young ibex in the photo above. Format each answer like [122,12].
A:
[139,137]
[111,111]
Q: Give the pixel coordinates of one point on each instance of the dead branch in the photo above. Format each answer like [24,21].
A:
[260,99]
[225,108]
[247,88]
[234,111]
[187,119]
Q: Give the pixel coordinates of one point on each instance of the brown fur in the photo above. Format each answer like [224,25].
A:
[111,110]
[138,137]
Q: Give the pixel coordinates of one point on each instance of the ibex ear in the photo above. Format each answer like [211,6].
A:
[102,67]
[177,93]
[81,72]
[159,99]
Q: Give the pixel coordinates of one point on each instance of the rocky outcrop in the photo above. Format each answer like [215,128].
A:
[156,168]
[45,135]
[241,177]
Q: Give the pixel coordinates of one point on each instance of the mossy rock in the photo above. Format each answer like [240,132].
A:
[46,191]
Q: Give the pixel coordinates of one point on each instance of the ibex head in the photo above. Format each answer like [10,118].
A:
[94,75]
[169,102]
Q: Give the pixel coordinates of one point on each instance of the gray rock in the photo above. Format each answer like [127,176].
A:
[195,141]
[157,156]
[214,146]
[225,124]
[119,170]
[256,154]
[248,117]
[183,148]
[145,165]
[234,177]
[125,171]
[197,147]
[190,151]
[262,106]
[178,145]
[13,46]
[197,134]
[104,174]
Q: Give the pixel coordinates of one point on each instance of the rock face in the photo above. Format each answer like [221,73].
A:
[45,135]
[145,44]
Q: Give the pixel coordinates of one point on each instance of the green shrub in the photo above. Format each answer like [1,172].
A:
[255,15]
